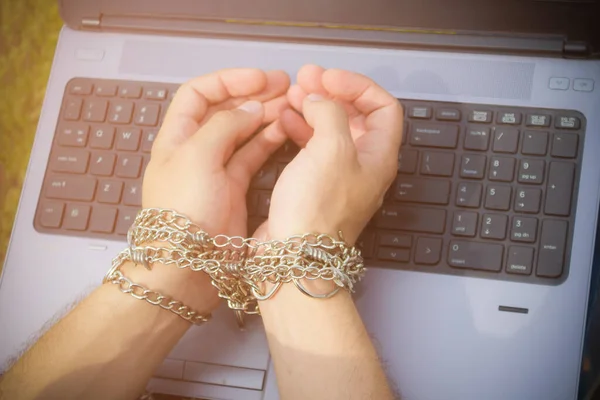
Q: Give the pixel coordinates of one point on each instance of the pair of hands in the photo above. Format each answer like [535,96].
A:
[207,152]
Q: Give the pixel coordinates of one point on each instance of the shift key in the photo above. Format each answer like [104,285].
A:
[71,188]
[416,219]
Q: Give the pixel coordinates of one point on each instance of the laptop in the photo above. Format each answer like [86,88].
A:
[479,259]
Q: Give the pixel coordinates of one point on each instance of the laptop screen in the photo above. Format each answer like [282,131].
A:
[575,20]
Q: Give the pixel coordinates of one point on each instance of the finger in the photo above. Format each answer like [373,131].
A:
[296,96]
[295,127]
[193,98]
[383,113]
[247,161]
[274,108]
[310,79]
[329,121]
[218,138]
[262,232]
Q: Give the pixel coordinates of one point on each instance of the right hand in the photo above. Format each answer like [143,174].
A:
[350,138]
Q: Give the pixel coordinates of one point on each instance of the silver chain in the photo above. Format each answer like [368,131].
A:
[238,266]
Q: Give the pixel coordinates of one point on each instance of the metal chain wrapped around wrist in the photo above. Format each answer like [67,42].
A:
[239,266]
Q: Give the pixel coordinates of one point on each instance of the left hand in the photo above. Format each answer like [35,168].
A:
[204,158]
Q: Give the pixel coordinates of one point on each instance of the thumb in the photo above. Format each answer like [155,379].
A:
[228,129]
[328,119]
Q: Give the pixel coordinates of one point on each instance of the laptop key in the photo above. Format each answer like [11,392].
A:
[77,217]
[393,254]
[468,194]
[432,135]
[128,139]
[564,145]
[417,219]
[265,178]
[535,143]
[51,214]
[102,137]
[74,135]
[71,188]
[80,87]
[493,226]
[147,115]
[428,251]
[567,122]
[559,188]
[481,116]
[148,140]
[509,118]
[264,203]
[395,240]
[527,200]
[498,197]
[447,114]
[475,255]
[103,163]
[104,89]
[542,120]
[502,169]
[419,190]
[73,161]
[155,93]
[477,138]
[437,164]
[94,110]
[506,140]
[129,166]
[531,171]
[524,229]
[120,112]
[130,90]
[520,260]
[109,191]
[419,112]
[407,161]
[72,109]
[464,223]
[551,255]
[125,219]
[473,166]
[132,196]
[365,243]
[103,219]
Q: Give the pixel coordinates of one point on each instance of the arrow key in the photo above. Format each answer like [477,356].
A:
[428,251]
[393,254]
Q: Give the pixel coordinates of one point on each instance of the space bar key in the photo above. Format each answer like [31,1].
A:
[416,219]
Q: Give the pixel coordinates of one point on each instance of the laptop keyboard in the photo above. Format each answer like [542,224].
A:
[481,190]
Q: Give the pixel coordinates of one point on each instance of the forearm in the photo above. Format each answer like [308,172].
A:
[107,347]
[321,349]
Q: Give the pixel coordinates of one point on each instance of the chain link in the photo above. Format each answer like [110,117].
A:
[139,292]
[239,266]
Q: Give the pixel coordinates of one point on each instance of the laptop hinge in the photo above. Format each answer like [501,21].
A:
[576,49]
[90,22]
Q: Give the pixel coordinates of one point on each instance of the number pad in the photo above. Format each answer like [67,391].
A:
[531,171]
[472,166]
[524,229]
[498,197]
[502,169]
[464,223]
[528,200]
[468,194]
[493,226]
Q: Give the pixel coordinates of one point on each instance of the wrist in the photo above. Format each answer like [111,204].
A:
[192,288]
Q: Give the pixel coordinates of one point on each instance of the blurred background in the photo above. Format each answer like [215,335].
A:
[28,33]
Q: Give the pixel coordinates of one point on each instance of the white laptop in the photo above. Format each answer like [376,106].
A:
[480,258]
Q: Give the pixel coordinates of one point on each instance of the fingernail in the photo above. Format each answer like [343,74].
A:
[314,97]
[251,106]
